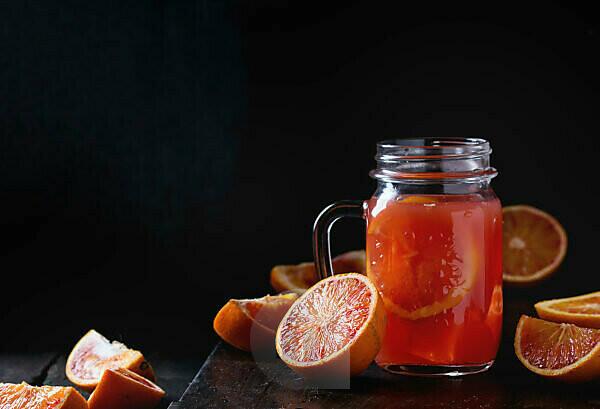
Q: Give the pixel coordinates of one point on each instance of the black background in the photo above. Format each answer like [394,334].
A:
[158,158]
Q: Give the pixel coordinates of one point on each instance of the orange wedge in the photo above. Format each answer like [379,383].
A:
[335,329]
[583,310]
[301,276]
[124,389]
[24,396]
[534,244]
[94,353]
[293,277]
[251,324]
[560,351]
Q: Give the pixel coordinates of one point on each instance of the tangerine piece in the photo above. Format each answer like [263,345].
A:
[534,244]
[583,310]
[24,396]
[94,353]
[334,329]
[421,265]
[123,389]
[301,276]
[561,351]
[251,323]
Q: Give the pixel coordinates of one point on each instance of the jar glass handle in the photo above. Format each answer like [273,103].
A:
[322,228]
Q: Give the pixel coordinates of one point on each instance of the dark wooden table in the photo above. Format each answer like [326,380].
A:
[234,379]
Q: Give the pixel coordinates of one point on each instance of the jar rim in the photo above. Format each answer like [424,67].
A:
[434,160]
[432,148]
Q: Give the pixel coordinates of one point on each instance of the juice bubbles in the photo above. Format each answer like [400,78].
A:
[437,262]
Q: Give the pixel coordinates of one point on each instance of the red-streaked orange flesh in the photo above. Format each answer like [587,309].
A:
[24,396]
[327,320]
[549,345]
[94,353]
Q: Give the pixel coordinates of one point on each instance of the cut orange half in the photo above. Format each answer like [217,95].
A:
[124,389]
[94,353]
[24,396]
[335,328]
[583,310]
[251,323]
[534,244]
[301,276]
[561,351]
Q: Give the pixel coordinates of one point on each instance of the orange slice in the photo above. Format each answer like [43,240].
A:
[421,275]
[24,396]
[583,310]
[493,318]
[124,389]
[248,324]
[301,276]
[561,351]
[335,328]
[94,353]
[534,244]
[419,199]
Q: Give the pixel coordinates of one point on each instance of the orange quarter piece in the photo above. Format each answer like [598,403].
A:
[94,353]
[124,389]
[583,310]
[24,396]
[560,351]
[251,323]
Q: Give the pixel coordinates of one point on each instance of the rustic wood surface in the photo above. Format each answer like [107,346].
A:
[234,379]
[231,378]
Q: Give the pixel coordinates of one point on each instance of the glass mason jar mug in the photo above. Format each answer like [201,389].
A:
[434,251]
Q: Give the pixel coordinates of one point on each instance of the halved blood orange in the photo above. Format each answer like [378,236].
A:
[24,396]
[334,329]
[124,389]
[94,353]
[583,310]
[534,244]
[301,276]
[561,351]
[251,323]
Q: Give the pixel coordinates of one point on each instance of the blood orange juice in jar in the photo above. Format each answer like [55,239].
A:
[434,251]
